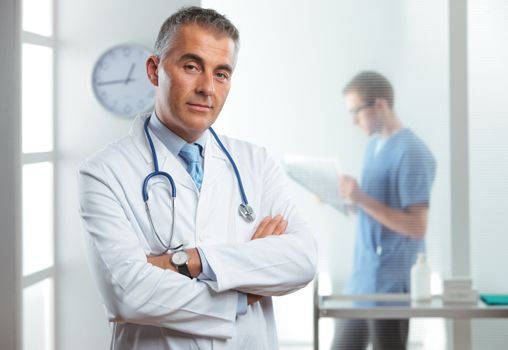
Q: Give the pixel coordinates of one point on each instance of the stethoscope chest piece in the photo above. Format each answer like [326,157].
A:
[246,212]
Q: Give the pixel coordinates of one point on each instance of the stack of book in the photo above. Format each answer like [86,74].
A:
[459,290]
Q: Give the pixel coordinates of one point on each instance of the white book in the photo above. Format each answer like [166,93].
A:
[458,283]
[320,176]
[460,297]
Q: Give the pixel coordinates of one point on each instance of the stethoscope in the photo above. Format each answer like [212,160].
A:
[244,209]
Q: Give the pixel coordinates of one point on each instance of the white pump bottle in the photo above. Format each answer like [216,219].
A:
[420,280]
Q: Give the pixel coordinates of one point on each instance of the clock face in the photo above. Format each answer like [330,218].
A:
[120,83]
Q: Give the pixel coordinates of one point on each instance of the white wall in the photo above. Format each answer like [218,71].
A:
[295,57]
[10,148]
[84,30]
[488,103]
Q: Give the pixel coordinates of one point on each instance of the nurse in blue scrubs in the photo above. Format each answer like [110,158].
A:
[393,202]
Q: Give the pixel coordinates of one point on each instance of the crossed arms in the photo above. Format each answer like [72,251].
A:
[279,259]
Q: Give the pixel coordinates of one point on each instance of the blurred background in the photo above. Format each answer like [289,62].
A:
[449,72]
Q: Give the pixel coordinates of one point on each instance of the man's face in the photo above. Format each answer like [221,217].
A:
[194,78]
[364,115]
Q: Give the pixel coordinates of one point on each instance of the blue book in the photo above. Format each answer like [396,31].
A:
[495,299]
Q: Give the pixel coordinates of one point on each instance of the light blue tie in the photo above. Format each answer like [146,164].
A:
[191,154]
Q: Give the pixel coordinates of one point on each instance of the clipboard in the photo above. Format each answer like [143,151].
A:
[319,176]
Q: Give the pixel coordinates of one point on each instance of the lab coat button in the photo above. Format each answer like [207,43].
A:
[379,250]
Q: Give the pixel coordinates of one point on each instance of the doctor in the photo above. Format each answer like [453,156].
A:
[189,235]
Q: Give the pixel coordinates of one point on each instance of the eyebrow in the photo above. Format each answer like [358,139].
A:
[201,62]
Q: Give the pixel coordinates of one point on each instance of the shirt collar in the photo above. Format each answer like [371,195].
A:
[172,141]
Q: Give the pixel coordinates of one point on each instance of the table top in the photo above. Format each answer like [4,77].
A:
[396,306]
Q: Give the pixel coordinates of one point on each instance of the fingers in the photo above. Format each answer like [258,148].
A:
[347,185]
[263,224]
[281,227]
[261,228]
[270,226]
[253,298]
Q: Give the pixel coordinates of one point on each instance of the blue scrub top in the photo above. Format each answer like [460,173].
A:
[401,174]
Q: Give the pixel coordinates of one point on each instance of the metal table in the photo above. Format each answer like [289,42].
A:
[346,306]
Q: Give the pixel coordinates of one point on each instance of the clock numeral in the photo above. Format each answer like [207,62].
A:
[126,52]
[104,65]
[104,96]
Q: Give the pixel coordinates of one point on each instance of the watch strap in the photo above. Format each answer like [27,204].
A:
[184,270]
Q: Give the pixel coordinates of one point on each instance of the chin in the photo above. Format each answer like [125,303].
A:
[200,122]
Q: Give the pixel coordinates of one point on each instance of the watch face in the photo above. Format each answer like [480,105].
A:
[120,82]
[179,258]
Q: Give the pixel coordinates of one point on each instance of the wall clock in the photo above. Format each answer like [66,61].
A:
[120,83]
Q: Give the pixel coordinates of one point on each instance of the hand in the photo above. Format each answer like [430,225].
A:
[163,261]
[253,298]
[270,227]
[349,189]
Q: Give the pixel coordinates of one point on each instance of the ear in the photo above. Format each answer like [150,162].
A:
[152,70]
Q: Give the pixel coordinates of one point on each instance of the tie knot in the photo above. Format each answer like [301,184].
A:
[190,153]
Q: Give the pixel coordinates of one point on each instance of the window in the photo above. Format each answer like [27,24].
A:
[37,88]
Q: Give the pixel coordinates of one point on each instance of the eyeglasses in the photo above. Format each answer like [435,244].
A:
[357,110]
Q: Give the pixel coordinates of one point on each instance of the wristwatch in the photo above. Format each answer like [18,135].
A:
[179,259]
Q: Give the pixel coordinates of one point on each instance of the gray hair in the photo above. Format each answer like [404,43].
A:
[207,18]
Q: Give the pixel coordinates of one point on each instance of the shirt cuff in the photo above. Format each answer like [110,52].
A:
[241,307]
[207,273]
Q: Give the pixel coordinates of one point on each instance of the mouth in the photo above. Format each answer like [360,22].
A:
[199,107]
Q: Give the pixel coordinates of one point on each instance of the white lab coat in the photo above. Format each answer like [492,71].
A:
[154,308]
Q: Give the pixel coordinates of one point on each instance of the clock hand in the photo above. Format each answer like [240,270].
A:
[119,81]
[130,73]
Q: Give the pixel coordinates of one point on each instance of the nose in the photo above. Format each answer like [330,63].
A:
[206,85]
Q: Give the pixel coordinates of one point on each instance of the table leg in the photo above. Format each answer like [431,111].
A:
[461,334]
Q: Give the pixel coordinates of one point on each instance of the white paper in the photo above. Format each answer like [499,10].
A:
[319,176]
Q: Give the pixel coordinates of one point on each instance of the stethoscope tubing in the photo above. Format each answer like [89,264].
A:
[245,202]
[157,172]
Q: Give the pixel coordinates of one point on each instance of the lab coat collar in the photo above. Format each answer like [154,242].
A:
[215,161]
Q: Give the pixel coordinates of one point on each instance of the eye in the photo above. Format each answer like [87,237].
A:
[222,76]
[191,68]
